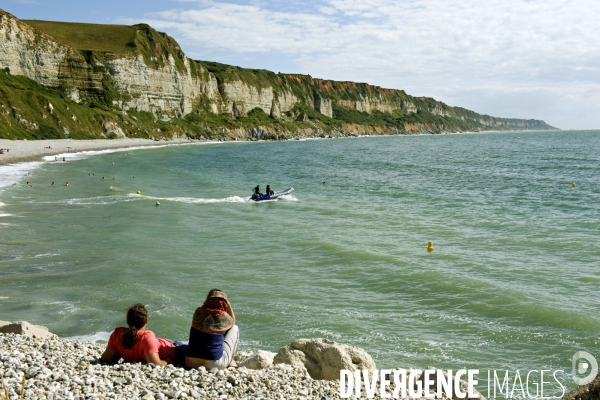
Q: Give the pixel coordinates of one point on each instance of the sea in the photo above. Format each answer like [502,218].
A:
[511,285]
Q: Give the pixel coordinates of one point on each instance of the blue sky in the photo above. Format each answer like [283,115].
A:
[506,58]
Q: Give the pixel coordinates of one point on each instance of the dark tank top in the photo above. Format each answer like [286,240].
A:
[208,346]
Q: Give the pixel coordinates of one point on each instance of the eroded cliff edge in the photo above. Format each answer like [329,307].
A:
[87,80]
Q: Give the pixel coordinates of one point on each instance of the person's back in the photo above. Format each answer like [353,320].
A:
[256,194]
[136,344]
[213,334]
[146,343]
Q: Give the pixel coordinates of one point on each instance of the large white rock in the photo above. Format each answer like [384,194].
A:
[26,329]
[254,359]
[323,359]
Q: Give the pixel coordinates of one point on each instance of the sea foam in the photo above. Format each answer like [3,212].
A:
[12,173]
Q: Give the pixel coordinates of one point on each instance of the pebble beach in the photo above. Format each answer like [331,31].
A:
[64,369]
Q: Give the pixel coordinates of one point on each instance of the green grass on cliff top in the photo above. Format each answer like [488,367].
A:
[97,37]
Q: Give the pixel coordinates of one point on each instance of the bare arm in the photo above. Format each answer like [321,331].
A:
[110,356]
[155,359]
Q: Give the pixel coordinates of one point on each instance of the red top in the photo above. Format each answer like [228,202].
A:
[146,343]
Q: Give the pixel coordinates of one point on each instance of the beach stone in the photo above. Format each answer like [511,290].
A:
[31,372]
[323,359]
[591,391]
[232,380]
[26,329]
[254,359]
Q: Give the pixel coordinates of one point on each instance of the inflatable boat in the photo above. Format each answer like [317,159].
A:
[274,196]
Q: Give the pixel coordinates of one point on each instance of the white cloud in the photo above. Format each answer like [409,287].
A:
[328,10]
[445,48]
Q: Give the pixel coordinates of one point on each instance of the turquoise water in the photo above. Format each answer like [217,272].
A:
[512,283]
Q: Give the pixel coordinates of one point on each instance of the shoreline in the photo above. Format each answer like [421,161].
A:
[35,150]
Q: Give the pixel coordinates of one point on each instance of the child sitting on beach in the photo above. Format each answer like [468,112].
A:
[136,344]
[214,335]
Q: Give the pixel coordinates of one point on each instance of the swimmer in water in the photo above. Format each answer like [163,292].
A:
[28,184]
[52,183]
[66,184]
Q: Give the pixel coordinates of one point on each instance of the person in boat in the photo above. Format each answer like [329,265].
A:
[269,191]
[257,194]
[137,344]
[213,335]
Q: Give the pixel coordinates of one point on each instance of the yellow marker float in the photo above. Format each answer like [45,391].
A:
[430,247]
[573,184]
[138,192]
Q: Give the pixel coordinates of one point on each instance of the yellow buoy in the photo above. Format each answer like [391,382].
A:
[113,163]
[138,192]
[430,246]
[573,184]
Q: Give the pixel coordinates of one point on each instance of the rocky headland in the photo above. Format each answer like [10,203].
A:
[87,81]
[36,364]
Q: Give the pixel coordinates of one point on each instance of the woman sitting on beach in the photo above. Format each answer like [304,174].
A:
[213,335]
[136,344]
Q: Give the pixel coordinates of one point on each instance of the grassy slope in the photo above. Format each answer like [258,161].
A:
[114,40]
[95,37]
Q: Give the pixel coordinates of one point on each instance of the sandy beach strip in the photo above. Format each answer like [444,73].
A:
[36,150]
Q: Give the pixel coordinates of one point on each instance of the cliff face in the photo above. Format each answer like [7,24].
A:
[163,90]
[138,69]
[27,52]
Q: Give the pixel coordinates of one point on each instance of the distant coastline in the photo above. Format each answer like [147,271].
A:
[138,83]
[36,150]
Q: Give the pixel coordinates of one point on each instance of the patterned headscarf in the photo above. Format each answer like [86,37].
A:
[215,306]
[212,317]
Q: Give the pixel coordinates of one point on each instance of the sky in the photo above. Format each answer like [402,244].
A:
[532,59]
